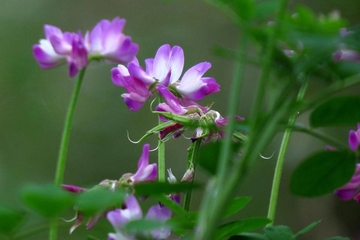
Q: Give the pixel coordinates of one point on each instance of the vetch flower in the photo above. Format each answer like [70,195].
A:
[164,69]
[146,171]
[137,91]
[106,40]
[132,211]
[195,87]
[352,188]
[59,47]
[354,139]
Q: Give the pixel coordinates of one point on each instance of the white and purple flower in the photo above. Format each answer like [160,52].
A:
[164,69]
[146,171]
[131,211]
[105,41]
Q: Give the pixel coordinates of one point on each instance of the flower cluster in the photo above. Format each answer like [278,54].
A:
[132,211]
[105,41]
[162,77]
[145,172]
[351,190]
[163,70]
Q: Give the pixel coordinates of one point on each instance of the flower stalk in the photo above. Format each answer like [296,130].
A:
[281,159]
[64,145]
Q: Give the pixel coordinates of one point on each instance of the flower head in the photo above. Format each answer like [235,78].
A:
[354,139]
[352,188]
[164,69]
[132,211]
[146,171]
[59,47]
[106,40]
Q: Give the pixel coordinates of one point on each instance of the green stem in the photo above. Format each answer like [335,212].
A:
[161,159]
[208,214]
[329,140]
[64,145]
[192,164]
[281,159]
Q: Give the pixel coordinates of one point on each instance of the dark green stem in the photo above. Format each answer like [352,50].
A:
[281,159]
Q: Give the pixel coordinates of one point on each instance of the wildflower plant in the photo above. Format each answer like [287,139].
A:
[294,48]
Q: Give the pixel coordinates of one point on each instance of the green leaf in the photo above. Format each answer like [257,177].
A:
[183,224]
[49,200]
[145,225]
[322,173]
[98,200]
[237,227]
[337,111]
[155,188]
[236,205]
[337,238]
[249,236]
[209,155]
[307,229]
[278,233]
[10,219]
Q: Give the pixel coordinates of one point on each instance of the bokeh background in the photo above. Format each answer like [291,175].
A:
[33,105]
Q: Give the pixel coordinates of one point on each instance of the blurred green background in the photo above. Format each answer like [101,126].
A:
[33,104]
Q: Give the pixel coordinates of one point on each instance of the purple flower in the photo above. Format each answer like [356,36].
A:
[346,55]
[107,40]
[137,91]
[59,47]
[132,211]
[146,171]
[164,69]
[195,87]
[352,188]
[354,139]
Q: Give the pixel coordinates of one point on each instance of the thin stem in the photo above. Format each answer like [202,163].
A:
[207,217]
[329,140]
[281,159]
[331,90]
[161,161]
[161,158]
[64,145]
[192,163]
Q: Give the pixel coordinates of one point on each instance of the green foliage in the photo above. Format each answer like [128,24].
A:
[98,200]
[236,205]
[155,188]
[209,155]
[343,110]
[145,225]
[279,232]
[322,173]
[49,201]
[10,219]
[237,227]
[337,238]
